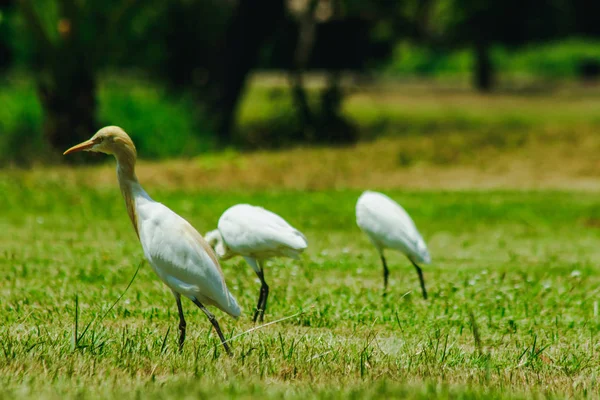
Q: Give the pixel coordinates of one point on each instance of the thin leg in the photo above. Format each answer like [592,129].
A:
[215,324]
[182,323]
[386,273]
[421,279]
[265,290]
[262,299]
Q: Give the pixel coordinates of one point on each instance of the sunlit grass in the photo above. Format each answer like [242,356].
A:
[524,264]
[169,125]
[431,107]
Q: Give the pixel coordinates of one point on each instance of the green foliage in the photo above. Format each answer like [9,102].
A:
[552,60]
[410,59]
[558,59]
[524,264]
[163,125]
[20,123]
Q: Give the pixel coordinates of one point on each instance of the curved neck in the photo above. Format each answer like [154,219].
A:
[128,182]
[126,163]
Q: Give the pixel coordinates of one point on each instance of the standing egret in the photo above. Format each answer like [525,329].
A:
[389,226]
[257,235]
[176,251]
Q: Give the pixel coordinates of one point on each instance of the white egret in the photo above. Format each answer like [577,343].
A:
[257,235]
[389,226]
[176,251]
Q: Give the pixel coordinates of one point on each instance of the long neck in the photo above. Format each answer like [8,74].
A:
[129,184]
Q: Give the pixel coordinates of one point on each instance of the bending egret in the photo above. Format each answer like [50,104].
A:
[176,251]
[388,225]
[257,235]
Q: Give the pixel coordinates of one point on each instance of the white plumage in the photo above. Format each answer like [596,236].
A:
[389,226]
[179,257]
[257,235]
[175,250]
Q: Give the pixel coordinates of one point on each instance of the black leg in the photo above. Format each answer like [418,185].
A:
[386,274]
[263,307]
[215,324]
[182,323]
[262,299]
[421,279]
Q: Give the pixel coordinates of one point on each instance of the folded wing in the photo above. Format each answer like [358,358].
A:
[251,230]
[184,261]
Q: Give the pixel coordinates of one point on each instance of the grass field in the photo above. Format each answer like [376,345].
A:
[519,268]
[503,187]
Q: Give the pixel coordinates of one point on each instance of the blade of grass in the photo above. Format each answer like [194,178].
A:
[265,325]
[475,330]
[112,306]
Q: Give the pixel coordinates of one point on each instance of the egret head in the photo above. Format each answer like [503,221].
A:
[108,140]
[215,240]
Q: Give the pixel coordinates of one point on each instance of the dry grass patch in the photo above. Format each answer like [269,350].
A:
[558,158]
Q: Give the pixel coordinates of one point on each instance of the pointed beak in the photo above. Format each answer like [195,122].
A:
[80,147]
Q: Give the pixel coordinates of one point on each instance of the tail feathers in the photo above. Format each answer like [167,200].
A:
[426,258]
[298,241]
[292,243]
[295,245]
[422,255]
[233,308]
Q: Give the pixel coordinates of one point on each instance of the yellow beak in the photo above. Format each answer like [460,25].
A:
[80,147]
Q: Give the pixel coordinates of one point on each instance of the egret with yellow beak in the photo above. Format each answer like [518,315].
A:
[176,251]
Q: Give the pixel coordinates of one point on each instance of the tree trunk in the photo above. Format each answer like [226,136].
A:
[253,22]
[484,72]
[66,66]
[66,79]
[304,46]
[335,129]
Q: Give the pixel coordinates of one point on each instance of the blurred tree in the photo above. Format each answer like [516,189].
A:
[252,24]
[304,42]
[342,35]
[341,44]
[585,17]
[72,40]
[192,31]
[481,24]
[212,45]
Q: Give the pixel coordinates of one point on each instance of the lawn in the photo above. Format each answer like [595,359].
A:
[503,187]
[513,308]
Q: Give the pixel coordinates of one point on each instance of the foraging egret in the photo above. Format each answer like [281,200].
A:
[257,235]
[176,251]
[389,226]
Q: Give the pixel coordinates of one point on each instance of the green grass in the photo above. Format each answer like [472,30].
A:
[524,264]
[394,108]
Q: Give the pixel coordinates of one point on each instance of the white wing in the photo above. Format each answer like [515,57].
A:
[388,225]
[256,232]
[182,259]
